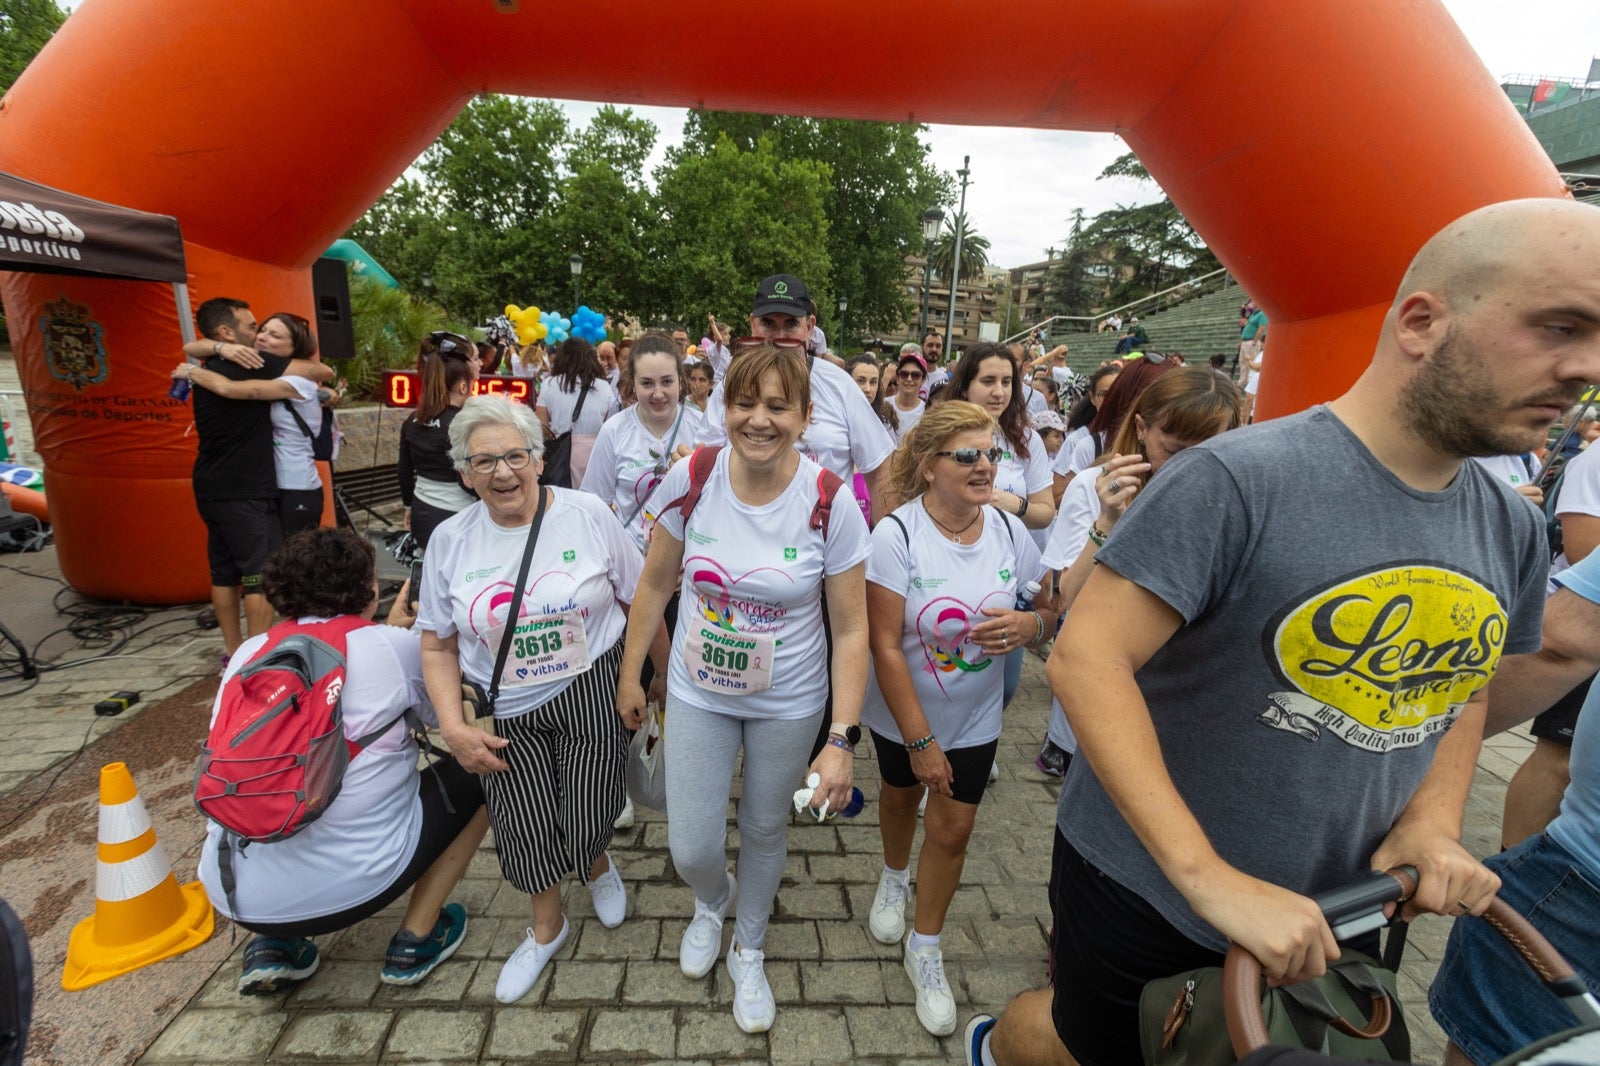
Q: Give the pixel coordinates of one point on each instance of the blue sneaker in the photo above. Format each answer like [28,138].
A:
[972,1042]
[412,957]
[275,964]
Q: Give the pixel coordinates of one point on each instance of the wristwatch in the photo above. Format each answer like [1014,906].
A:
[850,733]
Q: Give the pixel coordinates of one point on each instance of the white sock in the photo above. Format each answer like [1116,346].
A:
[903,876]
[919,941]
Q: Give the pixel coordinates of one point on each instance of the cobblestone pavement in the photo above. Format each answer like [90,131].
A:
[611,995]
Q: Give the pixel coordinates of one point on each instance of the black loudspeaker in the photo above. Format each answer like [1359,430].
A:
[330,287]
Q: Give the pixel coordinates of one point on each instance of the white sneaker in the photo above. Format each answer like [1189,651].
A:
[936,1007]
[887,920]
[994,773]
[609,895]
[702,941]
[922,805]
[753,1008]
[525,965]
[625,819]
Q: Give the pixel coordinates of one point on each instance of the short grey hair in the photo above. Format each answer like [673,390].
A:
[492,410]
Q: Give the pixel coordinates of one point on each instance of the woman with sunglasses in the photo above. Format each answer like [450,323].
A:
[942,586]
[430,486]
[1177,410]
[910,373]
[552,769]
[635,449]
[296,414]
[755,543]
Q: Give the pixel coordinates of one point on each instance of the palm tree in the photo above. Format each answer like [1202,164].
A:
[974,250]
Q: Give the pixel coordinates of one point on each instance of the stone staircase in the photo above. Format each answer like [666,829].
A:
[1198,328]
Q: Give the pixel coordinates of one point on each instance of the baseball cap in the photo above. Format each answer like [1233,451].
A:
[912,357]
[782,292]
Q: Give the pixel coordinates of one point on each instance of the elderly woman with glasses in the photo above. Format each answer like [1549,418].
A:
[942,585]
[556,566]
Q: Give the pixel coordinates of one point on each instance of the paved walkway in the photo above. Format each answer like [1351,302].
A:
[612,995]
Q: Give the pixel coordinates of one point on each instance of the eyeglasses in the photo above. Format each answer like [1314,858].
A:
[910,375]
[484,463]
[970,456]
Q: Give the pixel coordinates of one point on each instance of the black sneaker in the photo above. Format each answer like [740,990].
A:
[1051,760]
[275,964]
[412,957]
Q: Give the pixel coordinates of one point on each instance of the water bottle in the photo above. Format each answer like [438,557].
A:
[802,801]
[1026,595]
[179,390]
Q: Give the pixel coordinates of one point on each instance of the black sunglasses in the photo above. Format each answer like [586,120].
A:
[970,456]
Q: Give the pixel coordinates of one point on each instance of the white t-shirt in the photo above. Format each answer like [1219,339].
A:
[1077,453]
[366,837]
[1069,530]
[530,369]
[583,565]
[1025,476]
[844,434]
[1036,401]
[759,570]
[1514,470]
[292,458]
[907,418]
[628,463]
[1061,374]
[946,588]
[601,405]
[1579,494]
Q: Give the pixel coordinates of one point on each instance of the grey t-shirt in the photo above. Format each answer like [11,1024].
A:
[1335,619]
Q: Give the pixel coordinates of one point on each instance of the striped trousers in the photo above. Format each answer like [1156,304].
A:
[552,811]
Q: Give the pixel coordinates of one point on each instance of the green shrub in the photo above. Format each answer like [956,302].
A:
[389,325]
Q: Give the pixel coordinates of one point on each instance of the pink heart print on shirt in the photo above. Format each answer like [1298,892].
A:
[495,603]
[716,592]
[944,625]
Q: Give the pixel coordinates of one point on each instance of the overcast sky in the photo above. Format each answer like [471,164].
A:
[1026,183]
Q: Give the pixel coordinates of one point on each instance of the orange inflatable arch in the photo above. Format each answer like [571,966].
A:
[1313,145]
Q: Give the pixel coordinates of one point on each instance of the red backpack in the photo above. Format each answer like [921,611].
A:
[704,460]
[276,754]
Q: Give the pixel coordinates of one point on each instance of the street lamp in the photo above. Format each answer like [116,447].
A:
[844,303]
[575,261]
[955,258]
[932,219]
[427,283]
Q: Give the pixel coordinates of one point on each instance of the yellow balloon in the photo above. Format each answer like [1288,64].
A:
[512,311]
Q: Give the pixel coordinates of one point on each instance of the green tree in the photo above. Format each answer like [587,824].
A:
[1069,289]
[974,250]
[389,326]
[880,182]
[1149,246]
[729,217]
[25,27]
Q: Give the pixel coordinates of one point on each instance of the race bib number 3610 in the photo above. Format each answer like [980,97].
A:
[730,663]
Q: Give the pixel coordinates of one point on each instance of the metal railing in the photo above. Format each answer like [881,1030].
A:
[1184,290]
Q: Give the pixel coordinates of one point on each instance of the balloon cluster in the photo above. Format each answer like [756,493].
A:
[589,325]
[528,322]
[556,326]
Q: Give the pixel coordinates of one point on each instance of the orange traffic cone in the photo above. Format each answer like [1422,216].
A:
[141,915]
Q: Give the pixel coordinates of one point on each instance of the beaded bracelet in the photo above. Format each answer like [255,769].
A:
[1098,537]
[921,745]
[1038,620]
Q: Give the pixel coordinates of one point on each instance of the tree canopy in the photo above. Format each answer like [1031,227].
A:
[25,27]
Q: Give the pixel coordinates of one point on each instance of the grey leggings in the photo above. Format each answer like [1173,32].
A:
[701,753]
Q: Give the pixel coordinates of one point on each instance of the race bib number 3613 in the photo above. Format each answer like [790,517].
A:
[543,649]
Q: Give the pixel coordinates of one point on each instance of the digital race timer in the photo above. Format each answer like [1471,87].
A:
[403,388]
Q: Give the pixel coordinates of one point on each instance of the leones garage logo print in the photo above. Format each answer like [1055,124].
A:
[1384,659]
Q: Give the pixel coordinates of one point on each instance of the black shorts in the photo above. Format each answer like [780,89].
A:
[445,813]
[299,509]
[1557,723]
[240,536]
[969,767]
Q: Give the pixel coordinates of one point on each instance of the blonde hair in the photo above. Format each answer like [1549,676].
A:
[931,433]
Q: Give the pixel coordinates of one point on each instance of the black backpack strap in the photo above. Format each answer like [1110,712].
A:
[905,534]
[516,601]
[305,427]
